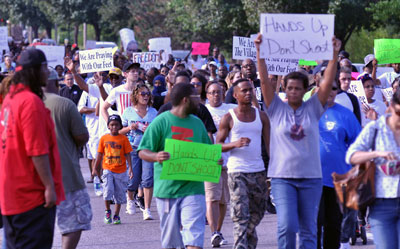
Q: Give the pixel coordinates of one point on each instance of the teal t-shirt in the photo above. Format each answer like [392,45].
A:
[167,125]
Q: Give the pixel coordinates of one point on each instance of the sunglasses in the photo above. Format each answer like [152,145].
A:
[334,88]
[145,94]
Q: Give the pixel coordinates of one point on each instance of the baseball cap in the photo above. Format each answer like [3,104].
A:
[368,59]
[114,117]
[115,71]
[129,65]
[29,58]
[212,63]
[52,74]
[344,54]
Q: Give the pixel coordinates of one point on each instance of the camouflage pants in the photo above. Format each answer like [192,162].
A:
[248,192]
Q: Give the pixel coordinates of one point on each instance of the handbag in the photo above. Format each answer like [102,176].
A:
[356,188]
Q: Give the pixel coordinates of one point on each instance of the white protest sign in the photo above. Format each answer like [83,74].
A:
[127,35]
[54,54]
[388,93]
[297,36]
[160,43]
[90,44]
[96,60]
[3,39]
[243,48]
[278,66]
[147,60]
[357,88]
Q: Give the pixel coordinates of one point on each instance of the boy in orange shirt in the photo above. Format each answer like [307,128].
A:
[113,152]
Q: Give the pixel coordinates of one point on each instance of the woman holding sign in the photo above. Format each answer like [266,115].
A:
[135,120]
[295,166]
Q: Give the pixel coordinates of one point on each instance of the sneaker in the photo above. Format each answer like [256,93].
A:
[130,207]
[223,240]
[107,217]
[147,215]
[116,220]
[139,201]
[216,239]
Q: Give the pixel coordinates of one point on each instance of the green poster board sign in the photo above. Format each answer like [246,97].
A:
[307,63]
[191,161]
[387,51]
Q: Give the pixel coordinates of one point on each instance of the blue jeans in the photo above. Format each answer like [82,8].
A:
[142,173]
[384,218]
[297,202]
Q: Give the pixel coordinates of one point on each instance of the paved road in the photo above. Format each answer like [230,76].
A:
[136,233]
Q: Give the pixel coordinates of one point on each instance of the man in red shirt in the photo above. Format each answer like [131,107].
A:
[30,169]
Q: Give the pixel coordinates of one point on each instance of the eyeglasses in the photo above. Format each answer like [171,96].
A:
[215,92]
[195,96]
[145,94]
[334,88]
[248,66]
[196,83]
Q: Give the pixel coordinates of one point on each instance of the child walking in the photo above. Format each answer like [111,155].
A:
[113,152]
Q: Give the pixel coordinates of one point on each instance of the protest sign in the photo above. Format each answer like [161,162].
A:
[147,60]
[388,93]
[280,66]
[54,54]
[191,161]
[96,60]
[200,48]
[307,63]
[297,36]
[90,44]
[160,43]
[3,39]
[387,50]
[126,35]
[243,48]
[357,88]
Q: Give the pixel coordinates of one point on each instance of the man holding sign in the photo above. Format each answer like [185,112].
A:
[181,204]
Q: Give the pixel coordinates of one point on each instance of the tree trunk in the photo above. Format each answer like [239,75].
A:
[35,30]
[97,30]
[48,31]
[76,33]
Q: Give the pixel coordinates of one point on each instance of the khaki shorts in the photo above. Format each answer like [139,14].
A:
[218,191]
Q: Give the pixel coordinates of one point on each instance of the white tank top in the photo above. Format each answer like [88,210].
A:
[246,159]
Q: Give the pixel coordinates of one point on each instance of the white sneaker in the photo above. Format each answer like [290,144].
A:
[99,193]
[147,215]
[130,207]
[345,245]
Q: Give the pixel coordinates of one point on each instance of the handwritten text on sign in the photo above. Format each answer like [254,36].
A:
[357,88]
[147,60]
[96,60]
[191,161]
[387,50]
[297,36]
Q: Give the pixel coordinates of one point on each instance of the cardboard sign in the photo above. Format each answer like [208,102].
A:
[297,36]
[388,93]
[147,60]
[160,43]
[357,88]
[277,66]
[54,54]
[243,48]
[200,48]
[96,60]
[387,50]
[191,161]
[3,39]
[126,35]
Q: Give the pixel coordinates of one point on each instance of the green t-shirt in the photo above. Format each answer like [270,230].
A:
[167,125]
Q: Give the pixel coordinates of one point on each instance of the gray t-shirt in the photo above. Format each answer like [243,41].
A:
[68,123]
[294,141]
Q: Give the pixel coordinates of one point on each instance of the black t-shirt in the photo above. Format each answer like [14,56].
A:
[202,114]
[74,93]
[158,101]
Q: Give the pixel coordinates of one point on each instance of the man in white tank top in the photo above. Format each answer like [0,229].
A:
[246,172]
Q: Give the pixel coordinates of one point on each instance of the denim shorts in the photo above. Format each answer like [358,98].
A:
[75,213]
[142,173]
[114,184]
[182,221]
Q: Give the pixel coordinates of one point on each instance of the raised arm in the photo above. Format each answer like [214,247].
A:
[325,87]
[78,79]
[267,88]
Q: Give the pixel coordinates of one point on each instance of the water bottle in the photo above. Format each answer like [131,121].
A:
[97,186]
